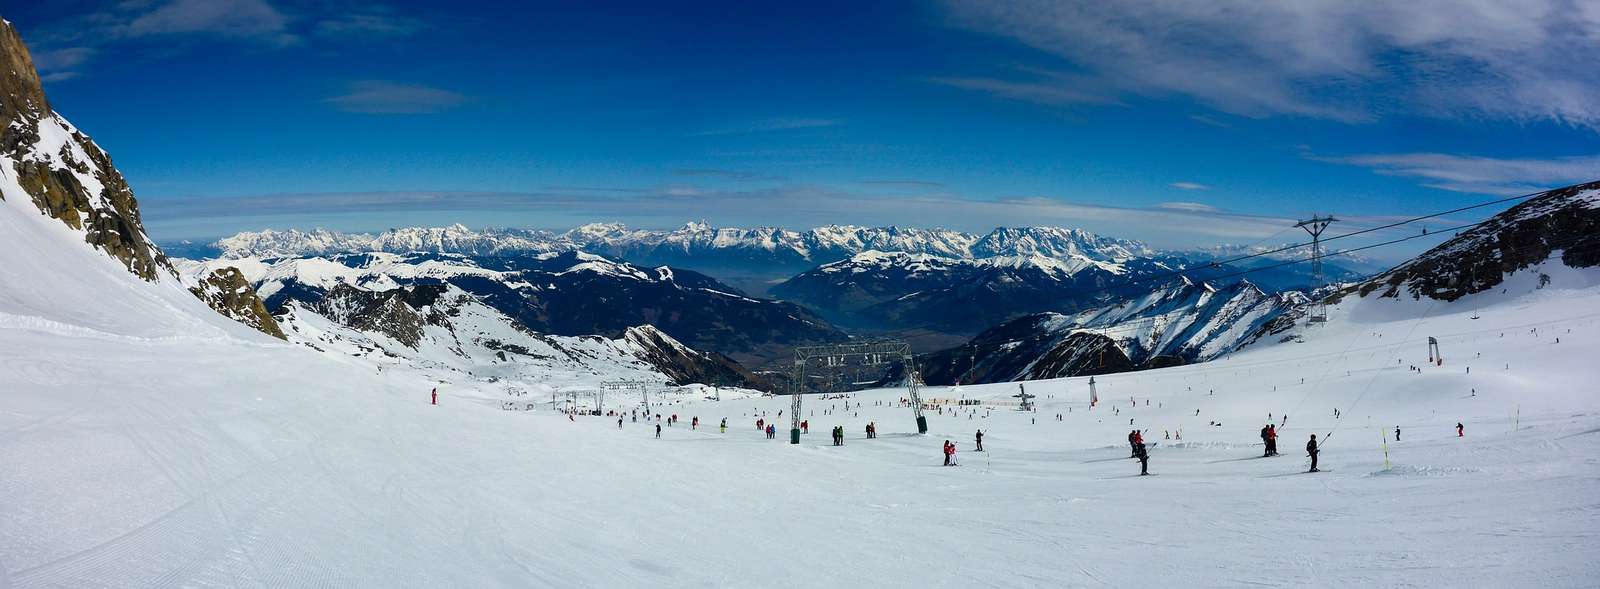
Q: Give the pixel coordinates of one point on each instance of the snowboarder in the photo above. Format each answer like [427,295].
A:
[979,439]
[435,395]
[1460,430]
[949,453]
[1312,451]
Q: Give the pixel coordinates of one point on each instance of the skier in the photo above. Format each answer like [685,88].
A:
[1312,451]
[805,426]
[1144,459]
[949,453]
[1397,433]
[658,430]
[1272,440]
[724,426]
[436,395]
[1461,430]
[1266,442]
[1133,449]
[619,422]
[979,439]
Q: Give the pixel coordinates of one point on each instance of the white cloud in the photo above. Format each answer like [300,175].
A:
[250,19]
[1353,61]
[765,125]
[1484,175]
[1188,206]
[1189,186]
[386,97]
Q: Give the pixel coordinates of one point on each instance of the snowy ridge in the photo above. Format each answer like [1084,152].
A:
[815,246]
[1182,323]
[564,293]
[1564,221]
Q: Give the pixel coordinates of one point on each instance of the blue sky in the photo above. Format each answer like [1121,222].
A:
[1176,122]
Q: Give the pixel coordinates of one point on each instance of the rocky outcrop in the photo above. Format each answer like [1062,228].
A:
[399,313]
[1565,220]
[685,365]
[67,176]
[227,291]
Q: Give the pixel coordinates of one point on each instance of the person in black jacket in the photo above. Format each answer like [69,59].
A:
[1312,451]
[1266,443]
[1144,458]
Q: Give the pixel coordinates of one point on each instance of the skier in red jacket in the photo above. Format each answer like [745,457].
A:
[949,453]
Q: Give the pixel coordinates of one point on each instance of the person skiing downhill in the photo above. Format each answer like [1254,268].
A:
[978,438]
[1397,433]
[1461,430]
[723,428]
[658,430]
[436,395]
[1312,451]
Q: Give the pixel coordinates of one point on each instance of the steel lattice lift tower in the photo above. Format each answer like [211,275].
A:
[1315,225]
[830,362]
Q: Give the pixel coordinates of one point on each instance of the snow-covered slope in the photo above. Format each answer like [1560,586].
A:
[1184,322]
[568,293]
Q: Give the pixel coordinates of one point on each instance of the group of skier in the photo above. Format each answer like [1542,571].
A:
[1269,438]
[1268,434]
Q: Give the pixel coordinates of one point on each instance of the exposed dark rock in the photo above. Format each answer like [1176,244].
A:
[1564,219]
[110,220]
[227,291]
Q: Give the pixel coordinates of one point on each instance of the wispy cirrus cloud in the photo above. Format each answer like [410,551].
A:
[383,97]
[65,47]
[1348,61]
[768,125]
[1482,175]
[1189,186]
[242,19]
[891,183]
[739,175]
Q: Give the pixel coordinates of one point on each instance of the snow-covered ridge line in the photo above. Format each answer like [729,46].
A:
[824,243]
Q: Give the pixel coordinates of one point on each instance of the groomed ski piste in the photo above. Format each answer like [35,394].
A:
[146,441]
